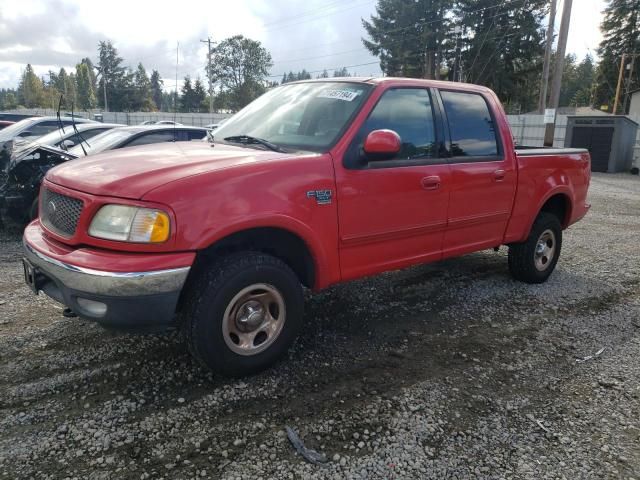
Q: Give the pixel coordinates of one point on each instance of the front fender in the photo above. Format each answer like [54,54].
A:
[324,271]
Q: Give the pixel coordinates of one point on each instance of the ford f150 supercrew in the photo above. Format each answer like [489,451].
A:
[314,183]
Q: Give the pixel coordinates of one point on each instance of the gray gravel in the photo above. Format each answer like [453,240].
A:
[451,370]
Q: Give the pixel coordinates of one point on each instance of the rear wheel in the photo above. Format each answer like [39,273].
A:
[535,259]
[242,313]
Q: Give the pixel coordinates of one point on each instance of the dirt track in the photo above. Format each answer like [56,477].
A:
[451,370]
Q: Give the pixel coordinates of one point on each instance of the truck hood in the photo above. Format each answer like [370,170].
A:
[132,172]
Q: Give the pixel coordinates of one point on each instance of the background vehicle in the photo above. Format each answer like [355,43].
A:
[67,137]
[30,128]
[140,135]
[314,183]
[5,123]
[30,163]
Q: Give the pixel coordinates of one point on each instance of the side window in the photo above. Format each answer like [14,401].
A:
[472,131]
[43,128]
[87,134]
[151,137]
[196,134]
[408,112]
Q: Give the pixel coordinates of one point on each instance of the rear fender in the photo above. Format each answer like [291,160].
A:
[525,211]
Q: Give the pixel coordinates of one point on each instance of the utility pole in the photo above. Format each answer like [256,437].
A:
[620,76]
[629,82]
[544,83]
[457,66]
[104,88]
[208,42]
[556,82]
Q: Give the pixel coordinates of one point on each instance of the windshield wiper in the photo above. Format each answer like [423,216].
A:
[249,140]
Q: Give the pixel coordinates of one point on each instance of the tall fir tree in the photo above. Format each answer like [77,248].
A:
[199,97]
[143,95]
[86,94]
[115,75]
[30,89]
[409,37]
[621,34]
[156,89]
[186,95]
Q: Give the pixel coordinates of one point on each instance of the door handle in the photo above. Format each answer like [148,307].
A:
[431,183]
[498,175]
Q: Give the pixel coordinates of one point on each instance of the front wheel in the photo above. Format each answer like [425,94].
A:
[242,313]
[535,259]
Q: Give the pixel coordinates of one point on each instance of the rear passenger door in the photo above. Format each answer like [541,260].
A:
[483,176]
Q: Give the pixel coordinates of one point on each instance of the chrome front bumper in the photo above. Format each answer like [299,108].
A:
[99,282]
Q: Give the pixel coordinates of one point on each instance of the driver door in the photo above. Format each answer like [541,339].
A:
[393,213]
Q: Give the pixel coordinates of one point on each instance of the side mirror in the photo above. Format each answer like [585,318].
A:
[68,143]
[382,145]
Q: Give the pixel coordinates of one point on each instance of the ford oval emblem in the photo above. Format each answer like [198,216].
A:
[51,206]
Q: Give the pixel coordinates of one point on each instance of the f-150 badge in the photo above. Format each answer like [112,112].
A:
[323,197]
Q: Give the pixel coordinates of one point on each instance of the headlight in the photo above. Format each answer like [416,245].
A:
[130,224]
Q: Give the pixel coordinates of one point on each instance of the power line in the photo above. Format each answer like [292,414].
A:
[493,22]
[498,46]
[308,13]
[330,68]
[321,56]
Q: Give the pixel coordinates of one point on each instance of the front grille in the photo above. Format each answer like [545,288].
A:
[60,213]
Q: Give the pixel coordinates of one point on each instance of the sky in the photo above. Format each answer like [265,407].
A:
[314,34]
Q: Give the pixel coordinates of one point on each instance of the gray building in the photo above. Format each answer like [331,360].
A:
[610,140]
[634,108]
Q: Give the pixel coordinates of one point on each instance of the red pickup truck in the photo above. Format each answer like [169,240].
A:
[314,183]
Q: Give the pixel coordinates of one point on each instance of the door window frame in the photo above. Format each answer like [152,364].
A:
[447,143]
[353,158]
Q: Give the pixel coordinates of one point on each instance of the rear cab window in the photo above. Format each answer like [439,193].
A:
[471,126]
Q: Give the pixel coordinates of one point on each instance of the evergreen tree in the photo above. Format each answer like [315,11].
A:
[343,72]
[409,37]
[577,80]
[200,103]
[156,89]
[8,99]
[498,44]
[186,97]
[116,77]
[621,34]
[143,97]
[502,47]
[324,74]
[86,94]
[30,89]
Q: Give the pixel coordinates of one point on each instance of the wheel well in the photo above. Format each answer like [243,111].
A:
[560,206]
[280,243]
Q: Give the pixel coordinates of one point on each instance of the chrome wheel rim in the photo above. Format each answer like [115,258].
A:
[545,250]
[254,319]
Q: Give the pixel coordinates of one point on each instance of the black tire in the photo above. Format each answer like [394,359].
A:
[524,264]
[209,296]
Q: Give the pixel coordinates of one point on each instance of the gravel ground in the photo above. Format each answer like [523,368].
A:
[450,370]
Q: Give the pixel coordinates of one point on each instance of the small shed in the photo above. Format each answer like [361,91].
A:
[610,140]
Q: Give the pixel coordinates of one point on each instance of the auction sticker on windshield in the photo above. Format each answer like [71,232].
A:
[346,95]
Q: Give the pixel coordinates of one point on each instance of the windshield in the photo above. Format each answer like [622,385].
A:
[12,130]
[102,142]
[305,116]
[51,138]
